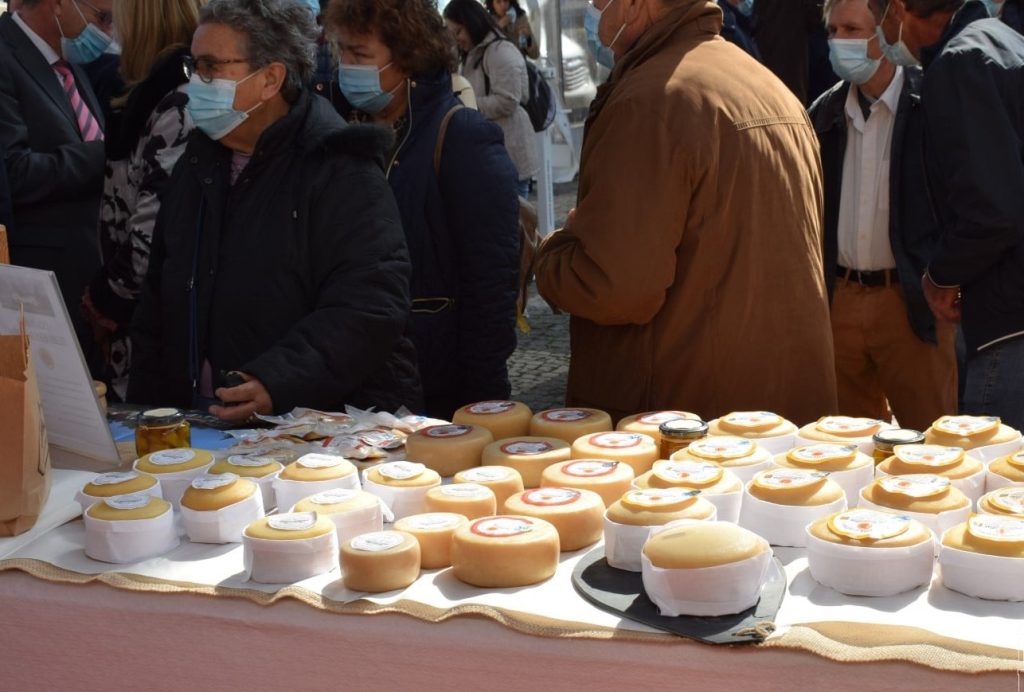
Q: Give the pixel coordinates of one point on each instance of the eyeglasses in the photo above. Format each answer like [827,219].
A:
[103,17]
[204,67]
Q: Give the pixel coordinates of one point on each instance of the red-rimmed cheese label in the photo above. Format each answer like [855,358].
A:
[114,478]
[659,417]
[213,481]
[846,426]
[133,501]
[821,454]
[551,497]
[293,521]
[334,496]
[966,426]
[170,457]
[1009,499]
[722,447]
[589,468]
[488,408]
[688,472]
[781,479]
[750,420]
[465,491]
[501,527]
[401,470]
[437,521]
[566,415]
[251,461]
[377,541]
[915,484]
[526,447]
[868,524]
[443,431]
[993,527]
[928,455]
[486,474]
[658,498]
[319,461]
[1016,460]
[616,440]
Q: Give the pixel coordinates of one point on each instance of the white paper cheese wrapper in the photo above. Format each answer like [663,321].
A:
[775,445]
[783,525]
[623,543]
[129,541]
[87,501]
[403,501]
[266,485]
[288,492]
[990,453]
[938,523]
[860,571]
[223,525]
[850,480]
[993,577]
[284,562]
[993,481]
[359,521]
[972,486]
[727,505]
[747,473]
[173,485]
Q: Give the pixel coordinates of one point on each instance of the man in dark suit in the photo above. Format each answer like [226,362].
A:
[51,135]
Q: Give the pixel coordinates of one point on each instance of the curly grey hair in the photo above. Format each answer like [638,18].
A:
[282,31]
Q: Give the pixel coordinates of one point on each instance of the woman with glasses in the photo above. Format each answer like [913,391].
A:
[145,137]
[279,275]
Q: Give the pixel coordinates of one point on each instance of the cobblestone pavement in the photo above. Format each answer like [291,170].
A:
[540,364]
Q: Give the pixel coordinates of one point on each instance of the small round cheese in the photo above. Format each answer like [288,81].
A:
[984,557]
[706,476]
[505,481]
[842,429]
[129,508]
[986,534]
[380,561]
[609,479]
[338,501]
[502,418]
[868,528]
[751,425]
[119,483]
[468,499]
[247,466]
[403,474]
[505,551]
[527,455]
[827,457]
[728,451]
[569,424]
[295,526]
[705,544]
[314,468]
[969,432]
[920,493]
[649,423]
[795,487]
[448,449]
[1010,467]
[577,515]
[636,449]
[949,462]
[434,533]
[655,507]
[209,493]
[1008,501]
[174,461]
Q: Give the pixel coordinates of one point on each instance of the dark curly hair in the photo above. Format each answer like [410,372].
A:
[413,30]
[477,21]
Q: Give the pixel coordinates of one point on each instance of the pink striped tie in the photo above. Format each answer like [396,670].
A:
[88,126]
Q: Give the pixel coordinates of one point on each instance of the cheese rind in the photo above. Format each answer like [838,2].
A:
[505,551]
[655,507]
[569,424]
[824,457]
[337,501]
[502,418]
[146,507]
[434,532]
[504,481]
[468,499]
[577,515]
[969,432]
[636,449]
[905,531]
[649,423]
[949,462]
[421,476]
[133,483]
[246,470]
[1005,467]
[967,538]
[704,544]
[174,461]
[527,455]
[380,561]
[751,425]
[609,479]
[904,493]
[311,525]
[210,499]
[321,467]
[795,487]
[448,449]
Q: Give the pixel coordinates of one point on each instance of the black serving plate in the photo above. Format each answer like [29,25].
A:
[622,592]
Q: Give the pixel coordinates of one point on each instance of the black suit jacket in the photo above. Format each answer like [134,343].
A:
[55,178]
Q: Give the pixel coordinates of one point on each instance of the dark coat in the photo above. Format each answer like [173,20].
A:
[463,235]
[913,230]
[298,273]
[739,29]
[973,97]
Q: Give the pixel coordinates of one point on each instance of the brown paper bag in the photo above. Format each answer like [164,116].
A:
[24,451]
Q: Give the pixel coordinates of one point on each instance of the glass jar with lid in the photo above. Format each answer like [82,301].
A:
[161,428]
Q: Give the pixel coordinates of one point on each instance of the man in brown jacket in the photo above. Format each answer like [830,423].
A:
[692,262]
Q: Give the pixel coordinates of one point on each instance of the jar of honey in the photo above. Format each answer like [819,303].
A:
[161,428]
[679,433]
[885,440]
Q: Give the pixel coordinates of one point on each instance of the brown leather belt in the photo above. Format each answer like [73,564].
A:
[871,279]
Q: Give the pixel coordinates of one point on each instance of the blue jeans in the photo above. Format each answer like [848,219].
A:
[995,383]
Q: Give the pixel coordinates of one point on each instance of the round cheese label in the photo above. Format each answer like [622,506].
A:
[213,481]
[688,472]
[868,524]
[551,497]
[659,417]
[966,426]
[1016,459]
[170,457]
[525,448]
[657,498]
[133,501]
[928,455]
[780,479]
[250,461]
[566,415]
[616,440]
[438,521]
[722,448]
[820,454]
[915,484]
[444,431]
[501,527]
[486,474]
[319,461]
[845,426]
[465,491]
[334,496]
[993,527]
[401,470]
[589,468]
[294,521]
[1009,499]
[114,478]
[749,421]
[378,541]
[486,408]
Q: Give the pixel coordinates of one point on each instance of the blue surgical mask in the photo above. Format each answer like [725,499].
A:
[994,7]
[212,106]
[746,7]
[591,22]
[896,53]
[360,84]
[87,46]
[850,61]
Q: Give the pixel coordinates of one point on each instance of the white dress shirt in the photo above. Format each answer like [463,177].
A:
[49,55]
[863,228]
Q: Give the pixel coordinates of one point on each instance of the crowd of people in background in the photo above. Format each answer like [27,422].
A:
[252,205]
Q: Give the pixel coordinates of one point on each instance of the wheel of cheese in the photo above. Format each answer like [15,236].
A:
[527,455]
[504,481]
[502,418]
[636,449]
[751,425]
[921,493]
[969,432]
[505,551]
[737,454]
[650,422]
[701,545]
[294,526]
[657,506]
[129,528]
[448,449]
[983,557]
[569,424]
[174,461]
[1008,500]
[434,533]
[468,499]
[247,466]
[402,485]
[120,483]
[380,561]
[352,511]
[286,548]
[312,468]
[1005,470]
[577,515]
[609,479]
[128,508]
[211,492]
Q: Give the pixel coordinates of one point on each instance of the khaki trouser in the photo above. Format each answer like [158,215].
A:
[881,363]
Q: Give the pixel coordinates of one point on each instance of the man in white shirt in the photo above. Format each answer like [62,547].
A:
[891,356]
